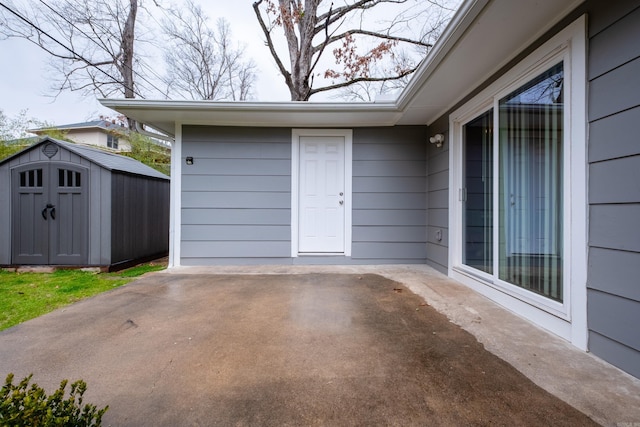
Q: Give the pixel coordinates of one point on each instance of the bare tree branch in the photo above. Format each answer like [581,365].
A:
[362,79]
[267,33]
[201,61]
[90,43]
[308,32]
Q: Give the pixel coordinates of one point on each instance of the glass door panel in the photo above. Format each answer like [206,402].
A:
[530,185]
[477,194]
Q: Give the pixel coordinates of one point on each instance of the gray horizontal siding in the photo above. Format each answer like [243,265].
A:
[204,216]
[389,202]
[394,234]
[438,181]
[238,167]
[605,264]
[230,249]
[615,353]
[384,250]
[373,184]
[439,218]
[438,256]
[236,200]
[390,217]
[237,232]
[235,148]
[615,226]
[614,177]
[615,91]
[438,199]
[236,197]
[206,182]
[615,181]
[410,201]
[615,137]
[615,318]
[391,168]
[611,48]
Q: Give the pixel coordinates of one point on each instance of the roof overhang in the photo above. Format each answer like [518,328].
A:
[483,36]
[163,115]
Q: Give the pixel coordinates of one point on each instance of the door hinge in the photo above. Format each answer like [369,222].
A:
[462,194]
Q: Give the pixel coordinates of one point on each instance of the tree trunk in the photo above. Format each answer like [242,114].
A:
[126,65]
[300,51]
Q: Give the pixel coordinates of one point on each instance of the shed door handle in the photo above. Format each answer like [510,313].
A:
[52,213]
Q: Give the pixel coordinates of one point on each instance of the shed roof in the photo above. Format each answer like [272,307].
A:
[109,161]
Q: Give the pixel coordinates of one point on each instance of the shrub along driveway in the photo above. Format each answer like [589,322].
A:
[313,349]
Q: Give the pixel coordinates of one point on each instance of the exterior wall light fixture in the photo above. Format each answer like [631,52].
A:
[437,139]
[189,161]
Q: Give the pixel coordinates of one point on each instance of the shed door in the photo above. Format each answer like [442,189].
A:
[321,198]
[49,215]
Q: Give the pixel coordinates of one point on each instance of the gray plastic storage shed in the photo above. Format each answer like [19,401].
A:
[68,204]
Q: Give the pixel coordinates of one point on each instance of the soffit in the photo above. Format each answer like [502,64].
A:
[499,31]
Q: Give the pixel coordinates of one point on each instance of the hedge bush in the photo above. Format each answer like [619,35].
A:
[21,405]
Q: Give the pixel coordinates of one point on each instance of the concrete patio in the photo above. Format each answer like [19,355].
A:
[316,346]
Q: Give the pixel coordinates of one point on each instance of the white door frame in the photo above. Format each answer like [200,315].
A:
[347,134]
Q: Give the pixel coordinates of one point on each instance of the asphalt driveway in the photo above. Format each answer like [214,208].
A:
[313,349]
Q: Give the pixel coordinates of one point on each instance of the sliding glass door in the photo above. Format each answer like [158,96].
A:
[477,193]
[512,226]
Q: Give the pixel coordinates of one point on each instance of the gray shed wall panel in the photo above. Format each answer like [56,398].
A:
[614,192]
[140,208]
[5,214]
[99,215]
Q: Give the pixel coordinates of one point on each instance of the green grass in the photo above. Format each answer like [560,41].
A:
[24,296]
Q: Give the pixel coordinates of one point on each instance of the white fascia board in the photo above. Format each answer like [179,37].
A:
[463,18]
[272,114]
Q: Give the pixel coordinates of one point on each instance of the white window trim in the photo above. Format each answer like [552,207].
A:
[295,175]
[569,319]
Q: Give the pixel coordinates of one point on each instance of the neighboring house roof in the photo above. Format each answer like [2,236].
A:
[109,161]
[95,124]
[483,37]
[22,141]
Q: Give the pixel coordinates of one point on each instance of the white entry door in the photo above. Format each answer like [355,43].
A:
[321,194]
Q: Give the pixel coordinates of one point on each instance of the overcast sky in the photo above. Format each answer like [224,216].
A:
[24,84]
